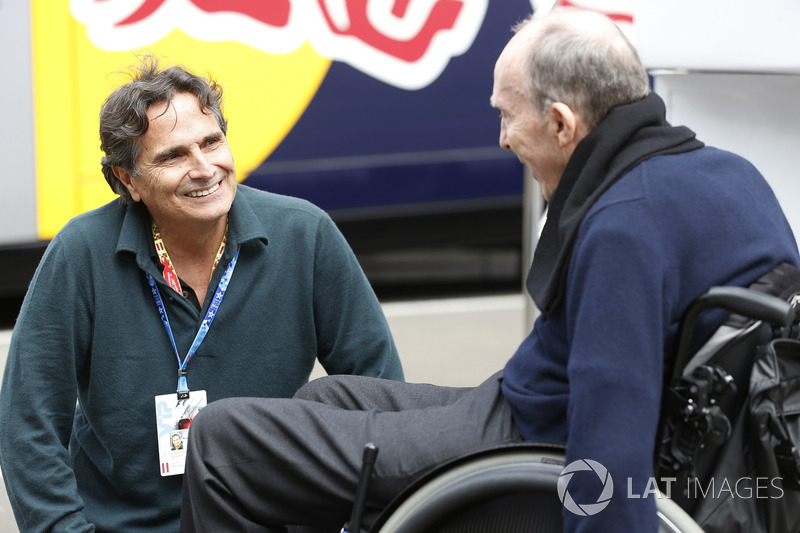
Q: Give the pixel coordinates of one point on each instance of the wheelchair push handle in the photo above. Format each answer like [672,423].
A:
[751,304]
[746,302]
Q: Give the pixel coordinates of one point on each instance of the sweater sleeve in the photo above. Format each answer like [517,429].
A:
[616,319]
[353,336]
[38,398]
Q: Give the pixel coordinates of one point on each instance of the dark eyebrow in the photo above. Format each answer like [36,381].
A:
[214,137]
[180,150]
[169,153]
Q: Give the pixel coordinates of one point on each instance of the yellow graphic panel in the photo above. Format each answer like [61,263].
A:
[264,96]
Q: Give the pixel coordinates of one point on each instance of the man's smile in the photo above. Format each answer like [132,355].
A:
[204,192]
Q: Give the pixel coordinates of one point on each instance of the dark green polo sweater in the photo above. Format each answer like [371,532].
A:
[89,331]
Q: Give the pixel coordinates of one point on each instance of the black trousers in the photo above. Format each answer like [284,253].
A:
[257,464]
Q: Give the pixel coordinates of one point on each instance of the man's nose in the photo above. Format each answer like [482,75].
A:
[504,139]
[201,167]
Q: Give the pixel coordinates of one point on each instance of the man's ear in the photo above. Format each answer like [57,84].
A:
[127,180]
[564,124]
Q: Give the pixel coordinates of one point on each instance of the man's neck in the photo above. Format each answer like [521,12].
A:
[193,252]
[198,241]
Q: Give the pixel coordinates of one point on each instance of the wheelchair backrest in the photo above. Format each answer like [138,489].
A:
[704,409]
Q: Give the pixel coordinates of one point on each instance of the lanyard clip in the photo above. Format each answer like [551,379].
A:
[183,387]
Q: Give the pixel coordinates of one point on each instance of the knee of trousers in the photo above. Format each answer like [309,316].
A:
[323,389]
[210,419]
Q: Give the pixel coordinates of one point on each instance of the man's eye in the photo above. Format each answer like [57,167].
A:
[168,159]
[213,142]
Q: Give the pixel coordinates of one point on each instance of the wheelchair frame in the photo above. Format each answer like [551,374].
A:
[493,490]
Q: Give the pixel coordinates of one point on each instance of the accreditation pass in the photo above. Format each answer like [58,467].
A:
[173,418]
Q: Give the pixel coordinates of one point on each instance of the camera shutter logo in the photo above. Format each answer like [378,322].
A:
[586,509]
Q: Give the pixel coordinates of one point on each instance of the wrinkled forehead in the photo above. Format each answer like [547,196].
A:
[159,109]
[183,100]
[507,83]
[509,72]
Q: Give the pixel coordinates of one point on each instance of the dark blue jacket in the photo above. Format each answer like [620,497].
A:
[590,373]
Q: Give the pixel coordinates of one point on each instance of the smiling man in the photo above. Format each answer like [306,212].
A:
[187,180]
[187,289]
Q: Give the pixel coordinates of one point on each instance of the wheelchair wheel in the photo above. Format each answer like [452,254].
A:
[511,489]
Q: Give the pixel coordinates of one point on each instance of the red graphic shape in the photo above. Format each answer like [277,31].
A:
[271,12]
[616,17]
[442,17]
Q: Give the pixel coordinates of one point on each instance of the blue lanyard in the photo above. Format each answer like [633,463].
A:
[183,388]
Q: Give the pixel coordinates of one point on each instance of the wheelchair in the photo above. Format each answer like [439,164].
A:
[515,488]
[512,489]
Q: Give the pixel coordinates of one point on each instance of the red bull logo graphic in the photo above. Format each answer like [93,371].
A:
[405,43]
[270,55]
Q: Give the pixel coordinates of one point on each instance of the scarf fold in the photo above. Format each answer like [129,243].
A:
[627,136]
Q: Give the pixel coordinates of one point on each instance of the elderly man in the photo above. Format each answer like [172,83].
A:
[188,288]
[643,218]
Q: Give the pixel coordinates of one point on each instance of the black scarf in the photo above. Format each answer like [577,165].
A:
[627,136]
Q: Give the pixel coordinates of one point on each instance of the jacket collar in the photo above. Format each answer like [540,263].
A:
[134,237]
[629,134]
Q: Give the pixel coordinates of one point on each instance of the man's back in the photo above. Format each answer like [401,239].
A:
[668,230]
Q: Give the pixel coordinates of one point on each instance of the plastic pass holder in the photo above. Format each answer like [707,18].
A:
[173,420]
[183,386]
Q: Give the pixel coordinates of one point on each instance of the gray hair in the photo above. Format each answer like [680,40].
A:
[123,117]
[590,71]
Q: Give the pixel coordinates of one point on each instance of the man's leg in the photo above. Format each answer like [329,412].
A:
[365,393]
[261,464]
